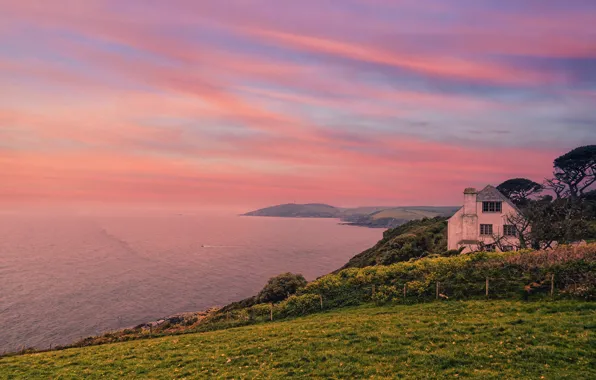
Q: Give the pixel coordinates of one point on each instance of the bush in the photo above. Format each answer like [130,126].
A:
[280,287]
[261,310]
[385,294]
[464,276]
[300,305]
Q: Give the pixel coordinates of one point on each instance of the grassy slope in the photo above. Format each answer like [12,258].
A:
[487,339]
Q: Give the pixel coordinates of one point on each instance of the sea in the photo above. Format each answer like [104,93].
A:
[65,277]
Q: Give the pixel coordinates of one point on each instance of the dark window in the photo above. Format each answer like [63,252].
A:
[489,248]
[491,206]
[486,229]
[509,230]
[507,248]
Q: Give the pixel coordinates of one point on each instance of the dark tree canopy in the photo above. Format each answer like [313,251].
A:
[575,170]
[541,223]
[519,189]
[280,287]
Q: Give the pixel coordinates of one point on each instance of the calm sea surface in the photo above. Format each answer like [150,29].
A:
[62,278]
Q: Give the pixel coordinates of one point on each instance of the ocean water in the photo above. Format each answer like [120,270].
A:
[67,277]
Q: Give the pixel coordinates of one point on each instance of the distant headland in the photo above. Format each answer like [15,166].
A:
[373,217]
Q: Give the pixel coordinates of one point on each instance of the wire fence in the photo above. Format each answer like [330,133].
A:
[552,286]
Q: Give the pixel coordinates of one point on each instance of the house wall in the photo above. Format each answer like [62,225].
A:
[455,229]
[497,219]
[464,225]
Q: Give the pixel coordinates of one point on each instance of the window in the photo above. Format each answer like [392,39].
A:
[491,206]
[486,229]
[490,248]
[509,230]
[507,248]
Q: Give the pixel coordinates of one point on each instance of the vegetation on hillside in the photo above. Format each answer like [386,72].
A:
[281,287]
[413,240]
[483,339]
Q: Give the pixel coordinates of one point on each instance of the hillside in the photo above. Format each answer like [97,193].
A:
[414,239]
[377,217]
[482,339]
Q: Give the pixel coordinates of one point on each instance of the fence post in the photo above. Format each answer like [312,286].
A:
[486,287]
[373,290]
[552,285]
[271,316]
[405,289]
[437,291]
[321,299]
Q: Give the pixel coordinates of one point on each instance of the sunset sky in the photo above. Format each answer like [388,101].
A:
[258,102]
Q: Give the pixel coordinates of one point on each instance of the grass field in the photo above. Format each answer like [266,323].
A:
[484,339]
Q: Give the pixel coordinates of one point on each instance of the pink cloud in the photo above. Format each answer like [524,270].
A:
[91,140]
[442,66]
[321,173]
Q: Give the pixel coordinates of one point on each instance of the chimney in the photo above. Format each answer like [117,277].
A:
[470,216]
[470,201]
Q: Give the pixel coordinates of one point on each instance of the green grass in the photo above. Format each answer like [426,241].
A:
[483,339]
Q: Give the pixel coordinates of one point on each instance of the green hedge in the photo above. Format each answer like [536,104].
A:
[510,274]
[523,274]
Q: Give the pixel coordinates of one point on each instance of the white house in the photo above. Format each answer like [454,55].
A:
[483,222]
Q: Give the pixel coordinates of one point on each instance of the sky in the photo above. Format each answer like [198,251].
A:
[258,102]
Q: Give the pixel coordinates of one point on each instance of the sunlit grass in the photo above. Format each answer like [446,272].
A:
[484,339]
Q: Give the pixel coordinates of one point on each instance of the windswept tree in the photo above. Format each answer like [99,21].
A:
[574,172]
[519,190]
[541,223]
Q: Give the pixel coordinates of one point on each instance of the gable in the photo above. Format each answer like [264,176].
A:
[456,215]
[491,194]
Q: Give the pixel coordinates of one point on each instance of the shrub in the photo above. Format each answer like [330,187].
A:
[300,305]
[261,311]
[280,287]
[385,294]
[463,276]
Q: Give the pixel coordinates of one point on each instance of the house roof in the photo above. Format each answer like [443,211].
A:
[490,193]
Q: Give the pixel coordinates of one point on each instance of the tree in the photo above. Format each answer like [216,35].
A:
[280,287]
[542,222]
[519,190]
[557,187]
[522,224]
[576,170]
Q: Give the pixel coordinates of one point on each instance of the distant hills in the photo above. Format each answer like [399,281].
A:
[292,210]
[376,217]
